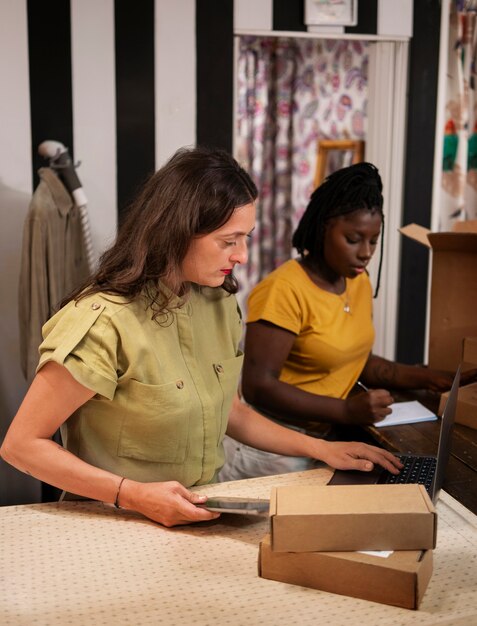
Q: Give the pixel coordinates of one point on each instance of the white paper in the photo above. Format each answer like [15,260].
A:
[407,413]
[382,553]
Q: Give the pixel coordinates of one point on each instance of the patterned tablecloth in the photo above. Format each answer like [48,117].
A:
[87,563]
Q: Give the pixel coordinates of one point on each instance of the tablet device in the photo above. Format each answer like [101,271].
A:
[245,506]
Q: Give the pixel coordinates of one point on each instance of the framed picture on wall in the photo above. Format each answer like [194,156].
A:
[331,12]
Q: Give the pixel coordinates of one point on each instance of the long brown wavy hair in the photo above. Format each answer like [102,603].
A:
[193,194]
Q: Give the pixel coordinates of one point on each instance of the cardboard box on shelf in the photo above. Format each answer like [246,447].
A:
[453,289]
[399,579]
[469,353]
[352,517]
[466,412]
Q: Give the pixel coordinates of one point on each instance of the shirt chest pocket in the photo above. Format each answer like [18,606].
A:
[155,422]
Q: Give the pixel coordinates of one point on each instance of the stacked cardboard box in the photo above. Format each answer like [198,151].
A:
[466,412]
[316,534]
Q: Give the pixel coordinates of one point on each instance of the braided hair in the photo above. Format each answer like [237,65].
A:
[349,189]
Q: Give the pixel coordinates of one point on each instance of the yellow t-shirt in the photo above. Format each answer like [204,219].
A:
[331,345]
[163,392]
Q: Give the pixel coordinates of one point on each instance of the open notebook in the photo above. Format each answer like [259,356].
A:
[407,413]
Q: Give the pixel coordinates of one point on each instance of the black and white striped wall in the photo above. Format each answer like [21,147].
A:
[124,83]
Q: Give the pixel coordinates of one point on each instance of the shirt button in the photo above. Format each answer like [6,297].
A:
[180,384]
[219,369]
[95,306]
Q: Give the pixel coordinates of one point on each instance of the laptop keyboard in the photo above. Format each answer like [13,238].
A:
[417,469]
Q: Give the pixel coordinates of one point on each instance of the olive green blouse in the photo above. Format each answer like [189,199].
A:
[163,388]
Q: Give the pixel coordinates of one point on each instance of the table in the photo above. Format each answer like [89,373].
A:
[422,438]
[82,563]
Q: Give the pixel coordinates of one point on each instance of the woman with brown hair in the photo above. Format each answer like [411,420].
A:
[140,367]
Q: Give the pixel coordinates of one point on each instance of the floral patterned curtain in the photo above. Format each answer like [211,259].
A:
[459,165]
[292,92]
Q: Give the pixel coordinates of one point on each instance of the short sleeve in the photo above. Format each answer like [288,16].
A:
[82,338]
[275,301]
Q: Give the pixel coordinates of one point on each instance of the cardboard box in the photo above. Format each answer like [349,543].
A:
[466,412]
[352,517]
[469,351]
[453,289]
[400,579]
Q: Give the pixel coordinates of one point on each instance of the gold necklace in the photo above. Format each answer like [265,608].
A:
[346,307]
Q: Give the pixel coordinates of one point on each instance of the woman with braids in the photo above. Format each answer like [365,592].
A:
[140,367]
[310,331]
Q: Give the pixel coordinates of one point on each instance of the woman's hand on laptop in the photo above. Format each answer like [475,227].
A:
[355,455]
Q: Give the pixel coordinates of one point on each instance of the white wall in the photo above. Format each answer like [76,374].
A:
[175,76]
[94,113]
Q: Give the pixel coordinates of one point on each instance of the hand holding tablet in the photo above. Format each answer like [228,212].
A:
[245,506]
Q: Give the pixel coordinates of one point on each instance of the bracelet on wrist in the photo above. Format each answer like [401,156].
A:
[116,501]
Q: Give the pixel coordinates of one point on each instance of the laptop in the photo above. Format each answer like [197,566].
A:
[425,470]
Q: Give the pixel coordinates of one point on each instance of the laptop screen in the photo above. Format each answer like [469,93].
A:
[445,437]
